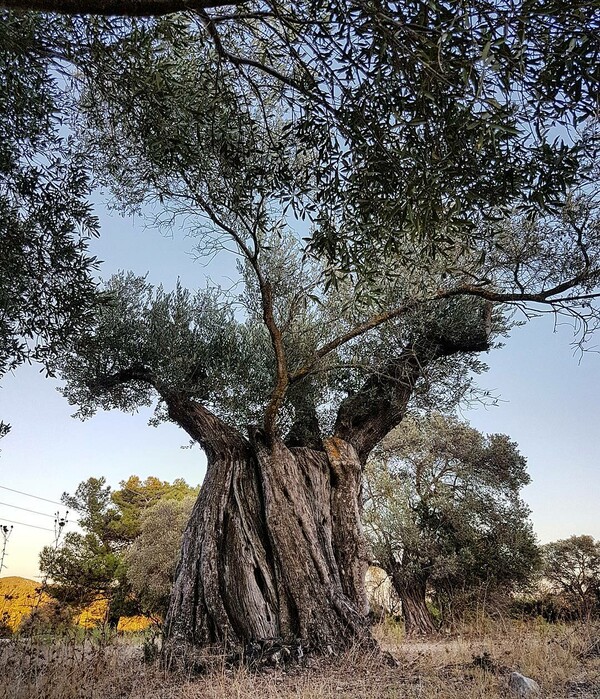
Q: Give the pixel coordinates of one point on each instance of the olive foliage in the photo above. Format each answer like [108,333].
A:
[152,558]
[434,151]
[411,108]
[237,156]
[401,118]
[46,275]
[216,350]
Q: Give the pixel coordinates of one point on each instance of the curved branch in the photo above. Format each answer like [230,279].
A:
[239,61]
[116,8]
[549,297]
[213,434]
[366,417]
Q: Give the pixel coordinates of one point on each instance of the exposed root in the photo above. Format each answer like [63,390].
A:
[266,654]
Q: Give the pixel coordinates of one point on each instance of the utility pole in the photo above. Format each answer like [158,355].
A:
[60,521]
[59,524]
[6,531]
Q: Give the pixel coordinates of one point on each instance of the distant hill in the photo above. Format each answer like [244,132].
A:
[18,596]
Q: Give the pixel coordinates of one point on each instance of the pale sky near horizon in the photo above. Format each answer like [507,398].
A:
[549,404]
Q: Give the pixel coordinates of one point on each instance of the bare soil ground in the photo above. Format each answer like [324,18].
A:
[564,660]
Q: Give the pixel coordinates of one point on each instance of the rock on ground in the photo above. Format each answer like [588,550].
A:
[523,686]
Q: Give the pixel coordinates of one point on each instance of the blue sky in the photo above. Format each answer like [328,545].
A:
[549,404]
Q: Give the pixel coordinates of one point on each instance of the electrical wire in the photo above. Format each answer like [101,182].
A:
[29,495]
[24,524]
[25,509]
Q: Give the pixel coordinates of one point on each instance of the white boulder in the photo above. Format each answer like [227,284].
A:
[522,686]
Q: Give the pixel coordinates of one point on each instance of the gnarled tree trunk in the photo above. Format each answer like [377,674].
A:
[273,550]
[418,620]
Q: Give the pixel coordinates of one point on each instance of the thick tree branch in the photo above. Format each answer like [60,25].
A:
[548,297]
[281,380]
[365,418]
[213,434]
[136,372]
[116,8]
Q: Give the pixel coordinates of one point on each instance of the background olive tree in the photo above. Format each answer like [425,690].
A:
[152,558]
[443,515]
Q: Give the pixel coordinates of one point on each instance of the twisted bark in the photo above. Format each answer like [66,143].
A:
[412,591]
[273,550]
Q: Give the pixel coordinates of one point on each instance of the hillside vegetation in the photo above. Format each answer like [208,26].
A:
[19,596]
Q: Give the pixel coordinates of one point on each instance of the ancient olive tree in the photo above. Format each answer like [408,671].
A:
[291,379]
[273,547]
[442,511]
[288,387]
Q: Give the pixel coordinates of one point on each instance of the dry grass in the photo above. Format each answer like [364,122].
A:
[564,660]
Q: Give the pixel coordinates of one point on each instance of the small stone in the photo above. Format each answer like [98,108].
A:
[523,686]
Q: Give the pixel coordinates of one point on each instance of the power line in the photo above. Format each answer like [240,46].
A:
[24,524]
[25,509]
[29,495]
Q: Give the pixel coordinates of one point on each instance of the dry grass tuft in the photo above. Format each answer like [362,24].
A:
[565,660]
